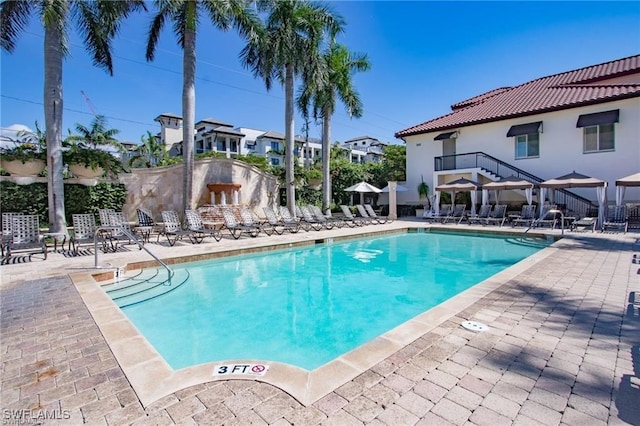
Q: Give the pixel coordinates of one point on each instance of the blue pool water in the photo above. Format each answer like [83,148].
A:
[308,306]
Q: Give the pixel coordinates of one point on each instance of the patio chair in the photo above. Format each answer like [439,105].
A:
[119,231]
[249,219]
[280,224]
[198,231]
[456,214]
[309,221]
[350,219]
[498,215]
[546,218]
[333,221]
[584,224]
[364,214]
[25,237]
[375,216]
[146,225]
[445,210]
[236,229]
[481,216]
[527,216]
[172,227]
[84,233]
[286,216]
[616,219]
[7,219]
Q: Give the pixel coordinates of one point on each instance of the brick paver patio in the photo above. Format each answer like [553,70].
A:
[563,348]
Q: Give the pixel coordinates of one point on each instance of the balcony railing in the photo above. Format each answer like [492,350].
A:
[572,202]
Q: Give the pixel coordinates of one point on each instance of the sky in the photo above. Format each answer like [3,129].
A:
[424,55]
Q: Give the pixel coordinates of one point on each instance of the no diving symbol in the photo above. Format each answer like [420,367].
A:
[258,368]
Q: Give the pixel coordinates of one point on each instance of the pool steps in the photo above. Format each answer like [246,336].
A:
[145,285]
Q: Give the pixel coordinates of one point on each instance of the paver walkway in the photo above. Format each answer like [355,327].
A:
[563,348]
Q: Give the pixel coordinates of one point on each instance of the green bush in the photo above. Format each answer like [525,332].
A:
[32,199]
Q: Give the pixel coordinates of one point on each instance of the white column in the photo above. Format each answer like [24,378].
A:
[393,213]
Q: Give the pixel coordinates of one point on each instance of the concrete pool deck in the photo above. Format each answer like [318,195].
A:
[563,347]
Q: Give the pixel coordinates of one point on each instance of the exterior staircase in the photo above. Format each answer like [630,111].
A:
[495,169]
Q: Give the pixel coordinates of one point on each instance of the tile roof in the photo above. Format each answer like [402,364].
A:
[590,85]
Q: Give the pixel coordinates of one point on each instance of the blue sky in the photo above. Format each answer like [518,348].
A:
[425,56]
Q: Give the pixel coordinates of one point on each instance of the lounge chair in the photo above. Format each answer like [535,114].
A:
[527,216]
[172,227]
[286,216]
[365,216]
[481,216]
[350,219]
[280,224]
[249,219]
[309,221]
[84,233]
[456,214]
[616,219]
[198,231]
[584,224]
[445,210]
[7,219]
[146,225]
[329,222]
[375,216]
[119,230]
[236,229]
[498,215]
[25,236]
[546,218]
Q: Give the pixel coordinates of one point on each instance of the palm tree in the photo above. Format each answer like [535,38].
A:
[340,66]
[98,22]
[96,135]
[288,47]
[185,18]
[151,152]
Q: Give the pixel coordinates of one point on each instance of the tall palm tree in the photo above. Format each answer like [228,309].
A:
[185,16]
[288,47]
[340,66]
[151,152]
[97,22]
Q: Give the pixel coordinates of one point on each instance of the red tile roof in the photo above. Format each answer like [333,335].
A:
[590,85]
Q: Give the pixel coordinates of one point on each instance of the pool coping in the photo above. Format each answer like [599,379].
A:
[152,378]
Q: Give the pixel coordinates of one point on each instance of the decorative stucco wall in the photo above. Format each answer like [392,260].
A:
[160,188]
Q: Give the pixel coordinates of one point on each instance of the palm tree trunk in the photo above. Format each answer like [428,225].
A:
[188,111]
[53,124]
[326,161]
[288,139]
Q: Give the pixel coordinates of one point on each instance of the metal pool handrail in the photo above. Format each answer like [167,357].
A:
[128,233]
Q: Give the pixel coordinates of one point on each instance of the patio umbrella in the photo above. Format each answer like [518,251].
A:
[457,185]
[362,187]
[577,180]
[399,188]
[511,182]
[622,183]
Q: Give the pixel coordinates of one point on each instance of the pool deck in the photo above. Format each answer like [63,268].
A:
[563,347]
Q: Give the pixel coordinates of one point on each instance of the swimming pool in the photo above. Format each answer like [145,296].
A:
[305,307]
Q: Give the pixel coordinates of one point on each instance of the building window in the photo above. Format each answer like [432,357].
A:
[275,146]
[528,146]
[275,161]
[234,145]
[221,145]
[599,138]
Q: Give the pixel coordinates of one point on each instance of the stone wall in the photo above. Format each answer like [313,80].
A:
[160,188]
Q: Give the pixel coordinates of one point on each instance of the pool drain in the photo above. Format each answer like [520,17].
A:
[475,326]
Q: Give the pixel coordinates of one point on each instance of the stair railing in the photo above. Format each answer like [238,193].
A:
[573,202]
[129,234]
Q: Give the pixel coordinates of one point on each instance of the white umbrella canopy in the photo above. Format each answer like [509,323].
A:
[508,183]
[457,185]
[573,180]
[577,180]
[363,187]
[622,183]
